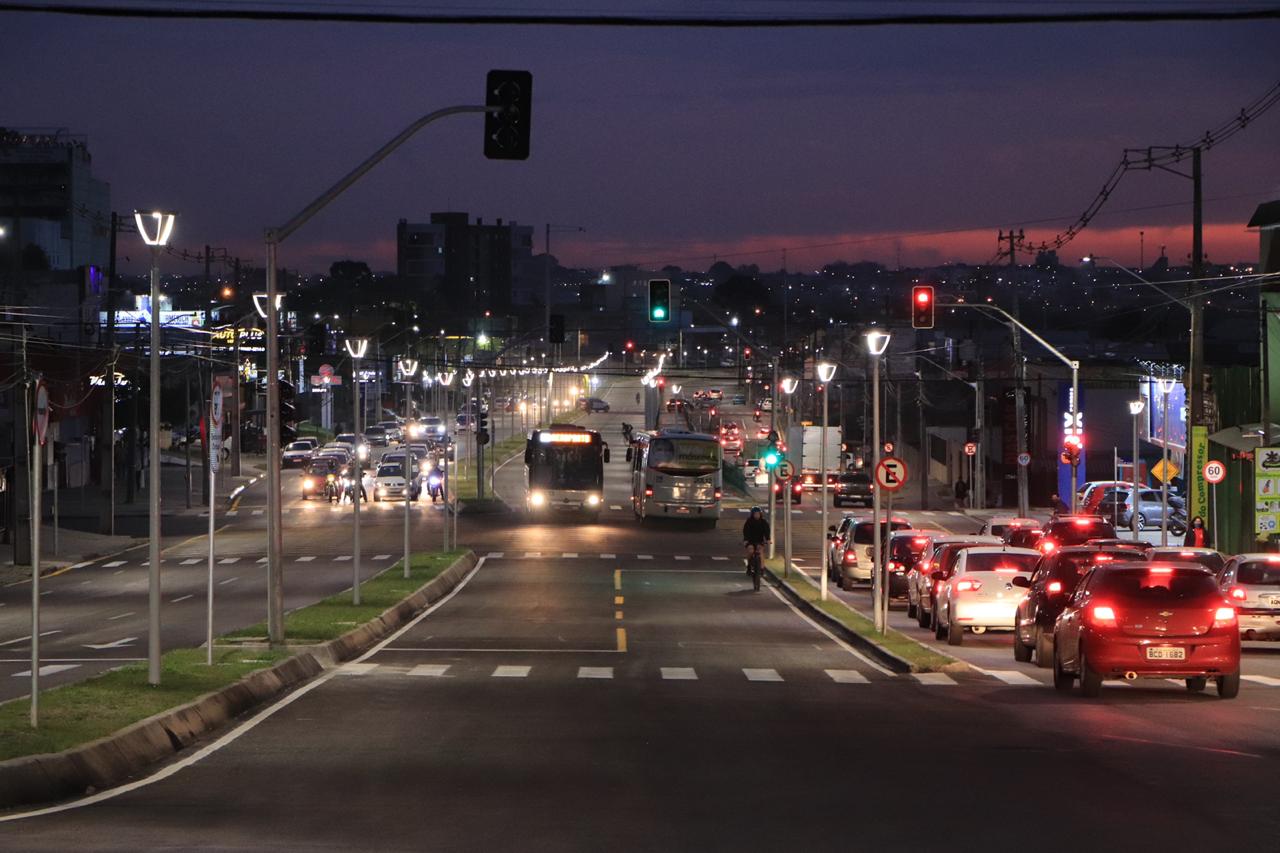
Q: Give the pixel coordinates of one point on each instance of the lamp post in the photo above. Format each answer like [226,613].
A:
[408,368]
[155,229]
[826,372]
[1166,388]
[789,386]
[877,343]
[1135,409]
[356,348]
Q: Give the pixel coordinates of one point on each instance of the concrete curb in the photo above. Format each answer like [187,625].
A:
[130,752]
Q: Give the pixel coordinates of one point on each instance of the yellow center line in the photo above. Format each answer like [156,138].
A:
[617,614]
[622,639]
[617,579]
[617,599]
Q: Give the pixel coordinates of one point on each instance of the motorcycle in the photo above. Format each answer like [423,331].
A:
[331,491]
[435,486]
[758,414]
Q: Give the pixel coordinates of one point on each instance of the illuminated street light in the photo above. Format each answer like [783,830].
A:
[260,304]
[356,348]
[826,372]
[877,343]
[1135,409]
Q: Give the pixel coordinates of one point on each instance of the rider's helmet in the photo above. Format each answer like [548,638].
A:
[755,510]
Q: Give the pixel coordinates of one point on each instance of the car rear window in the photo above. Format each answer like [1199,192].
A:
[855,478]
[905,549]
[1070,566]
[1258,573]
[1010,563]
[1212,562]
[1155,584]
[1077,531]
[863,534]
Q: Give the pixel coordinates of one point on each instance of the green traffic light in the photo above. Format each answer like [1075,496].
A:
[659,313]
[771,459]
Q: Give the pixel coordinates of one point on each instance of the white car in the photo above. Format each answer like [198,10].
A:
[999,525]
[715,394]
[389,483]
[298,453]
[1252,583]
[920,576]
[980,593]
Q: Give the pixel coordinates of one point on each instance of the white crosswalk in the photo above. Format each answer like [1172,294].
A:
[586,673]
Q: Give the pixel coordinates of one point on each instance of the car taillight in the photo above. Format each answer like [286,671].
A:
[797,488]
[1046,546]
[851,557]
[718,493]
[1102,616]
[892,565]
[1053,587]
[924,566]
[1238,593]
[968,586]
[648,493]
[1224,617]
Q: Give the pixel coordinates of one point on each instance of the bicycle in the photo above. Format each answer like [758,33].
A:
[755,566]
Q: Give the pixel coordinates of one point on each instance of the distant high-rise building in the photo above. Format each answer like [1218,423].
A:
[466,267]
[49,198]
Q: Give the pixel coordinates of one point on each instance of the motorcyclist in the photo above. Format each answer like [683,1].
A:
[755,532]
[435,481]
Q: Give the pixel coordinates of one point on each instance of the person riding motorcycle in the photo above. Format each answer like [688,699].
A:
[755,532]
[435,482]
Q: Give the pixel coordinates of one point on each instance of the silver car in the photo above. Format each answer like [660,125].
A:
[920,576]
[1252,583]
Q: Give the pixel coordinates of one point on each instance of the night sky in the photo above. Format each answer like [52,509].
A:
[669,146]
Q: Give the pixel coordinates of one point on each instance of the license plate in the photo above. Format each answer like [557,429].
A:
[1166,653]
[683,509]
[1271,599]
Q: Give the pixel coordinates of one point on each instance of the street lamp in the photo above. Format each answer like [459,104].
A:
[1166,388]
[356,348]
[260,303]
[789,385]
[1135,409]
[877,343]
[155,229]
[826,372]
[408,367]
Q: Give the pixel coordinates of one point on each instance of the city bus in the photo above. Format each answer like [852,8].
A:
[676,474]
[564,470]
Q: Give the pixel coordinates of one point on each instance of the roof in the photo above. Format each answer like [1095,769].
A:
[1266,216]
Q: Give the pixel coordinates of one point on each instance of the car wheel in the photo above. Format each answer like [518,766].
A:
[1197,684]
[1228,685]
[1142,521]
[1044,648]
[1021,651]
[1090,681]
[923,617]
[939,632]
[376,499]
[1062,680]
[955,633]
[911,609]
[304,496]
[846,583]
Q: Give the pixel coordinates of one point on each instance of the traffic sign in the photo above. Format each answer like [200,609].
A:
[1164,471]
[786,469]
[1214,472]
[1024,459]
[215,426]
[41,419]
[891,474]
[326,370]
[888,447]
[970,448]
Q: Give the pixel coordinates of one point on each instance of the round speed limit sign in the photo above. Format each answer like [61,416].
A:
[1214,472]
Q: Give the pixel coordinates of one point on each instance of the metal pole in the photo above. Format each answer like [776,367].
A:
[153,498]
[978,486]
[235,398]
[1213,493]
[773,422]
[453,536]
[875,492]
[1133,514]
[357,480]
[186,443]
[213,489]
[822,455]
[883,567]
[1075,425]
[408,479]
[275,532]
[786,501]
[1164,479]
[36,463]
[55,504]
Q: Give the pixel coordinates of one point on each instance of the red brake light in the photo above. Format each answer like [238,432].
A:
[797,488]
[1238,593]
[1161,570]
[1102,616]
[1047,546]
[1083,522]
[850,557]
[1224,617]
[648,493]
[968,586]
[920,540]
[718,494]
[1053,587]
[1102,558]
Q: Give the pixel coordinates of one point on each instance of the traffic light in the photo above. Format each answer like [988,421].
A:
[506,131]
[631,345]
[556,332]
[772,456]
[922,306]
[746,352]
[1071,447]
[659,300]
[482,427]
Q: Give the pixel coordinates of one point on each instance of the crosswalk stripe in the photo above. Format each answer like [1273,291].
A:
[1262,679]
[382,556]
[761,674]
[227,561]
[1012,676]
[113,564]
[306,559]
[233,512]
[719,558]
[264,559]
[512,672]
[679,673]
[846,676]
[681,557]
[257,512]
[614,506]
[357,668]
[342,558]
[644,556]
[569,555]
[608,556]
[190,562]
[595,672]
[495,555]
[430,670]
[532,555]
[934,679]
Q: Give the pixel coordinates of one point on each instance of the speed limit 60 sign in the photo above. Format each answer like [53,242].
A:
[1214,472]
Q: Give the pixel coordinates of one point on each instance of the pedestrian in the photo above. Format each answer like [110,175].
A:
[1197,535]
[1058,506]
[962,492]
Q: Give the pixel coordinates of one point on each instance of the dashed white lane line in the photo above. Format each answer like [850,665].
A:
[430,670]
[761,674]
[113,564]
[512,672]
[181,598]
[232,512]
[47,670]
[357,668]
[569,555]
[1011,676]
[257,512]
[228,561]
[191,561]
[121,616]
[615,506]
[681,557]
[228,580]
[305,559]
[262,560]
[679,673]
[342,558]
[644,556]
[719,558]
[532,555]
[382,556]
[847,676]
[934,679]
[496,555]
[608,556]
[595,672]
[28,637]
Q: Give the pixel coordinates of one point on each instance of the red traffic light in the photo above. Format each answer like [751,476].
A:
[1072,445]
[922,306]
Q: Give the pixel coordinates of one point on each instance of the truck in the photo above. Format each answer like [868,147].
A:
[812,440]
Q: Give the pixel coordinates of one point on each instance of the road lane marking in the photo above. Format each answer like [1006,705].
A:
[306,559]
[357,668]
[228,580]
[47,670]
[118,644]
[228,561]
[113,564]
[761,674]
[615,506]
[679,673]
[382,556]
[617,579]
[719,558]
[190,562]
[934,679]
[846,676]
[569,555]
[622,639]
[608,556]
[595,672]
[28,637]
[232,512]
[181,598]
[495,555]
[121,616]
[1218,750]
[257,512]
[830,636]
[342,558]
[263,560]
[617,614]
[532,555]
[430,670]
[511,672]
[644,556]
[617,599]
[681,557]
[1010,676]
[1262,679]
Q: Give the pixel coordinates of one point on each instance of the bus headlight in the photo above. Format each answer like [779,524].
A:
[593,500]
[537,499]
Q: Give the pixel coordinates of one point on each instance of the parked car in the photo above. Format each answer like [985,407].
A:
[1094,492]
[853,488]
[855,560]
[998,525]
[296,454]
[980,593]
[1074,530]
[1118,504]
[1252,583]
[920,583]
[1147,620]
[1206,557]
[1048,590]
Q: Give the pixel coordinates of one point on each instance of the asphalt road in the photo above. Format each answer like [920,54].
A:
[618,686]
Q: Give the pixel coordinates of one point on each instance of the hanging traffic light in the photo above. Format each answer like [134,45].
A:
[659,300]
[922,306]
[506,130]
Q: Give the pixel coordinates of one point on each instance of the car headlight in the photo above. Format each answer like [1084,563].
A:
[382,492]
[537,499]
[593,500]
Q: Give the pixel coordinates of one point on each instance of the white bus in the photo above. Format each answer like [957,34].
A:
[564,470]
[676,474]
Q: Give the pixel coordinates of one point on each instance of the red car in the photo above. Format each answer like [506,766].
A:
[1147,620]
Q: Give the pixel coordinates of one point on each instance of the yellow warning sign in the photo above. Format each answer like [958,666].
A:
[1164,471]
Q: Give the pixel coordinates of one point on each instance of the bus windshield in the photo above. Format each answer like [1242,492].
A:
[684,456]
[566,466]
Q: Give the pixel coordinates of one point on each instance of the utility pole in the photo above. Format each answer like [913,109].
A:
[107,440]
[1019,377]
[1196,503]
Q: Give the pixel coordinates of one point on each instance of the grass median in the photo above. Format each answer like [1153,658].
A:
[921,658]
[336,615]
